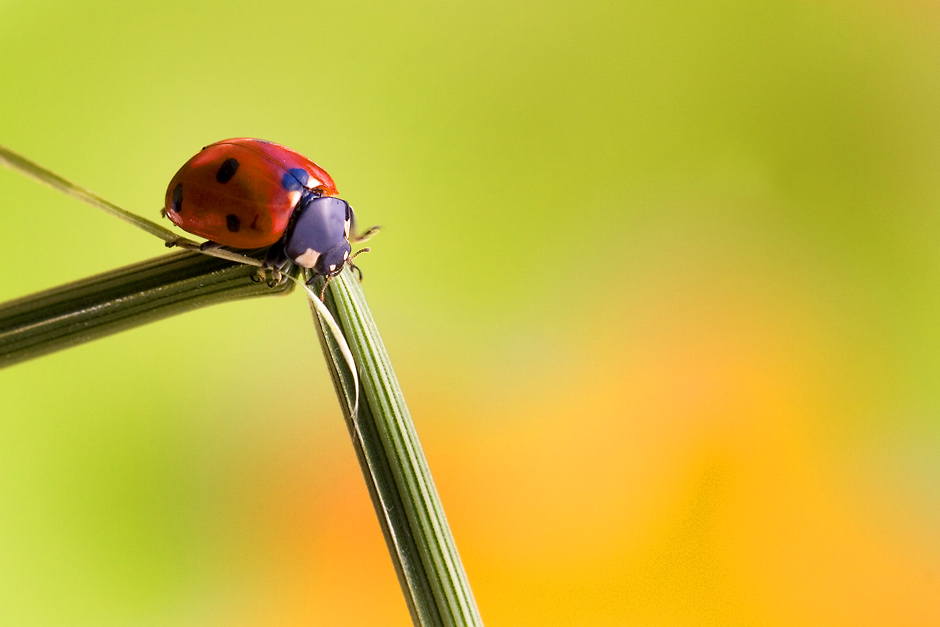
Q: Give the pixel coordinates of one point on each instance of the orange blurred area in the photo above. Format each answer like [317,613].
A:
[659,279]
[681,474]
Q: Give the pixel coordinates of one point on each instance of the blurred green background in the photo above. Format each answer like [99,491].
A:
[661,281]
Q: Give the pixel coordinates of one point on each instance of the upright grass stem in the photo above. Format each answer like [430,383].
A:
[395,469]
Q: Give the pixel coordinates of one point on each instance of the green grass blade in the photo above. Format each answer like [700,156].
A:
[121,299]
[21,164]
[396,471]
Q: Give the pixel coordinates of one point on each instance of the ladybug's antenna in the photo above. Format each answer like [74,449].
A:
[349,262]
[327,282]
[357,253]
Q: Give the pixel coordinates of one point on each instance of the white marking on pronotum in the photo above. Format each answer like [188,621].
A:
[308,259]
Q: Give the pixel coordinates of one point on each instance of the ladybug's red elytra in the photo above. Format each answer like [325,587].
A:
[251,193]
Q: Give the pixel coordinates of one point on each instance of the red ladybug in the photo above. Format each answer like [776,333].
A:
[250,193]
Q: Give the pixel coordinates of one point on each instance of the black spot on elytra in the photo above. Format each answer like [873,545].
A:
[295,179]
[233,223]
[227,170]
[176,202]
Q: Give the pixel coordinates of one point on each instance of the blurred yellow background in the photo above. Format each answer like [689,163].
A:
[661,281]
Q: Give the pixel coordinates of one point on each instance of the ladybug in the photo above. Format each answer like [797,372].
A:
[251,193]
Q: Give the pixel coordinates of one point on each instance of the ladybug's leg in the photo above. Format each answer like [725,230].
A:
[275,257]
[183,243]
[368,234]
[313,278]
[355,238]
[276,262]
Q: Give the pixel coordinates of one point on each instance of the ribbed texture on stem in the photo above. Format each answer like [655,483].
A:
[122,299]
[396,471]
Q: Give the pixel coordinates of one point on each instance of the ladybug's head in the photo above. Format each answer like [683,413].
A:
[332,261]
